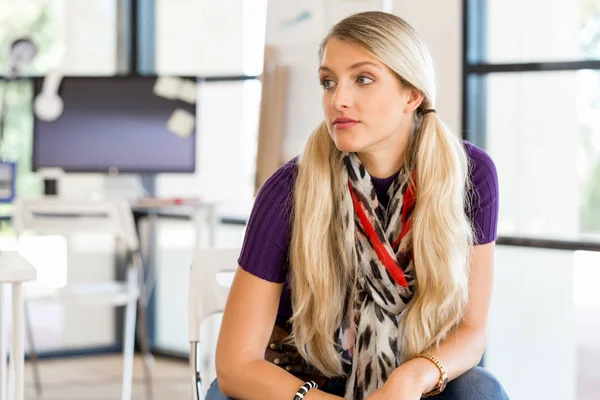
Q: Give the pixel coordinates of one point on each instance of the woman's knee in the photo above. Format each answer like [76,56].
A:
[214,392]
[475,384]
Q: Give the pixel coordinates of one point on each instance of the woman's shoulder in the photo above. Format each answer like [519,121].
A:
[287,171]
[483,196]
[481,165]
[266,241]
[280,185]
[275,198]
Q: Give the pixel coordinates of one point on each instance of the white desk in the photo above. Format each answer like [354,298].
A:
[199,212]
[14,269]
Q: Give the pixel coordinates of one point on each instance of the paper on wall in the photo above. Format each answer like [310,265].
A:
[188,91]
[167,87]
[181,123]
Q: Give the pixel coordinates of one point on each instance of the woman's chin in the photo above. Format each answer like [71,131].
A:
[348,146]
[349,141]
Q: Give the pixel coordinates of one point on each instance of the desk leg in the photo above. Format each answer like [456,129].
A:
[213,222]
[199,219]
[18,350]
[3,348]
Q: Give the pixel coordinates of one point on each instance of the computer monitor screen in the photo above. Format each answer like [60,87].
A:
[112,124]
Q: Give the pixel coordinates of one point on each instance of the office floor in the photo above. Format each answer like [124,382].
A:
[99,378]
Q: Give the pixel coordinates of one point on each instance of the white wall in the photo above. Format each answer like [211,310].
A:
[90,37]
[439,23]
[199,37]
[298,46]
[531,330]
[297,43]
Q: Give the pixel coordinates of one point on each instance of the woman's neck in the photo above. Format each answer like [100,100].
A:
[383,162]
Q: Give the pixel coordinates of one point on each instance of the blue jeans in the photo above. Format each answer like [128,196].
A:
[475,384]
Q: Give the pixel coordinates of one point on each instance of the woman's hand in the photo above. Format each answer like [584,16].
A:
[398,391]
[408,382]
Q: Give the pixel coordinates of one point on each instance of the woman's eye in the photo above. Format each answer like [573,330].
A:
[327,83]
[363,80]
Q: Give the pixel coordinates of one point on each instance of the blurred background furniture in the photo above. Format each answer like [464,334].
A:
[211,273]
[68,217]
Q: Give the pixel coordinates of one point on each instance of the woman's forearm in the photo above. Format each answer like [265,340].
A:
[260,379]
[458,353]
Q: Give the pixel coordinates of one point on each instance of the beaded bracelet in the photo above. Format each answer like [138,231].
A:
[304,389]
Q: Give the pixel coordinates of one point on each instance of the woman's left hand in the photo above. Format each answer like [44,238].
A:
[388,393]
[397,390]
[408,382]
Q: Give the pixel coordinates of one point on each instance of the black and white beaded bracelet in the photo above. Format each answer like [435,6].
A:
[304,389]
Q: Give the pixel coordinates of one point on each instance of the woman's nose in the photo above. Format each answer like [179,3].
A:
[342,98]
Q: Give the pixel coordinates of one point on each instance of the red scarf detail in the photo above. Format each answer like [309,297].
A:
[386,259]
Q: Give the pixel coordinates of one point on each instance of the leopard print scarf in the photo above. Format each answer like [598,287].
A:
[385,278]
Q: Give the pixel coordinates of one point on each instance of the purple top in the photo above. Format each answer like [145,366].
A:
[268,234]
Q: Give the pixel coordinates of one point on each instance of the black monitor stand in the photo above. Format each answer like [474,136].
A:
[50,187]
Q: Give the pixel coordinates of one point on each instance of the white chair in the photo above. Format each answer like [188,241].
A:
[69,217]
[207,296]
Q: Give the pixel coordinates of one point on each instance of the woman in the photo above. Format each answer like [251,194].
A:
[373,250]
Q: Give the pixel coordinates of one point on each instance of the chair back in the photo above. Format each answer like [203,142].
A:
[50,215]
[208,287]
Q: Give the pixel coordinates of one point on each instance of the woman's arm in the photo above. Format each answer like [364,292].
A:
[463,348]
[247,324]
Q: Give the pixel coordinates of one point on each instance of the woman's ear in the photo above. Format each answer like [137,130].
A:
[414,100]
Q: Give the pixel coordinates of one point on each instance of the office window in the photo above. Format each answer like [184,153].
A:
[51,26]
[531,100]
[543,131]
[41,23]
[534,30]
[18,138]
[38,21]
[79,37]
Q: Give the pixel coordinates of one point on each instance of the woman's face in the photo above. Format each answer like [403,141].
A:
[366,108]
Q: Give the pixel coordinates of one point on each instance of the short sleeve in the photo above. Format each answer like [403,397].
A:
[266,241]
[483,197]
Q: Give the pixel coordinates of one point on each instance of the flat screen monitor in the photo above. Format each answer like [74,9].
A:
[112,124]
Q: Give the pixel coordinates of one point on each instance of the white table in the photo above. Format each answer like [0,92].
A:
[200,212]
[14,269]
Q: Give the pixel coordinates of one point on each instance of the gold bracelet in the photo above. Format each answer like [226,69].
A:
[442,382]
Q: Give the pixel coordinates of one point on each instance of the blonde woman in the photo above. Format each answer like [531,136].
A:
[366,269]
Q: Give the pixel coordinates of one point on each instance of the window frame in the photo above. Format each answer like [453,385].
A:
[474,102]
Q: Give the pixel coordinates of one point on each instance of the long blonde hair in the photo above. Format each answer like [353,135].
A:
[442,235]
